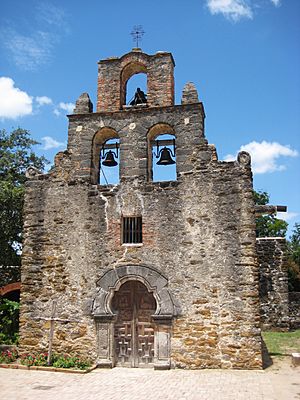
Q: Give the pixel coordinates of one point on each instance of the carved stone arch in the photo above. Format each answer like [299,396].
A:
[159,128]
[130,69]
[132,278]
[155,282]
[101,136]
[105,320]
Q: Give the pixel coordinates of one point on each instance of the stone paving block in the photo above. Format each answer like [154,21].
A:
[134,384]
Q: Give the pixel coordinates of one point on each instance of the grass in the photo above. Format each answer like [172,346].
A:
[282,343]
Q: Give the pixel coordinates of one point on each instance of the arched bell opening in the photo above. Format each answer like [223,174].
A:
[134,85]
[162,153]
[134,328]
[106,157]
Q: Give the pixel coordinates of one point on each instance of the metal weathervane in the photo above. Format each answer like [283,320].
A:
[137,33]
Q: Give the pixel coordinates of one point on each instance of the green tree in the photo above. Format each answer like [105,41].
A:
[268,225]
[294,244]
[294,259]
[9,321]
[16,155]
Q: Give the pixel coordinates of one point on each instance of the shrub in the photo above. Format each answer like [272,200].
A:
[39,359]
[9,321]
[7,356]
[65,361]
[58,361]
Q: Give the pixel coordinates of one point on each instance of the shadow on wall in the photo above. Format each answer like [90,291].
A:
[266,358]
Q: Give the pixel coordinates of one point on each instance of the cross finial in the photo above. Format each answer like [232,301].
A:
[137,33]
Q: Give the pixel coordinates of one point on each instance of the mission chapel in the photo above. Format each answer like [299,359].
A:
[145,271]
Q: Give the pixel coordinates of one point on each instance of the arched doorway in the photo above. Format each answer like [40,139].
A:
[155,311]
[134,327]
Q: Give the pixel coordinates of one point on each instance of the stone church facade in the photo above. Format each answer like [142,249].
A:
[143,273]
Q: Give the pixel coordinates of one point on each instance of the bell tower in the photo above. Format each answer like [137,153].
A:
[113,74]
[160,272]
[157,116]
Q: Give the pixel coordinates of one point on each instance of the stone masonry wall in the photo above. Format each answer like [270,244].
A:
[198,231]
[72,236]
[114,72]
[273,283]
[132,127]
[294,310]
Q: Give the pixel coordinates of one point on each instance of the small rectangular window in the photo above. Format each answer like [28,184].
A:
[132,230]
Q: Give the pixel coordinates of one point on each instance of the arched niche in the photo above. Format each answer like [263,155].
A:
[155,131]
[128,71]
[101,136]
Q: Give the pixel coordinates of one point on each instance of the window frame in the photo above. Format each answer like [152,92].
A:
[132,230]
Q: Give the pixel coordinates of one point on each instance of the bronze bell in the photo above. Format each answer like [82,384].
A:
[109,160]
[165,157]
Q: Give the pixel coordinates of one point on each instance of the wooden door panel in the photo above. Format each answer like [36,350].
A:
[134,328]
[123,343]
[145,343]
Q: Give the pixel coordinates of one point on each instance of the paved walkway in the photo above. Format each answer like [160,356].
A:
[280,382]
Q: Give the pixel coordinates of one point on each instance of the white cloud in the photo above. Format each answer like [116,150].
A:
[287,216]
[14,102]
[276,3]
[28,52]
[32,43]
[43,100]
[56,112]
[50,143]
[52,18]
[231,9]
[51,14]
[69,107]
[235,9]
[264,156]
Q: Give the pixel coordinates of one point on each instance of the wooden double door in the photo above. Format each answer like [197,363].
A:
[134,328]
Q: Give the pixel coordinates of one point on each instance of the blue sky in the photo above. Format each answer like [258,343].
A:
[242,55]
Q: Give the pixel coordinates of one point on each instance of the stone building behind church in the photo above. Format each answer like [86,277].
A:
[144,273]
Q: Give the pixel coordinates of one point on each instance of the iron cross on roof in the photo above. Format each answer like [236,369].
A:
[137,33]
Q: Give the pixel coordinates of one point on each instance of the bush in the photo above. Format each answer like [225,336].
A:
[65,361]
[39,359]
[7,356]
[293,276]
[58,361]
[9,321]
[294,260]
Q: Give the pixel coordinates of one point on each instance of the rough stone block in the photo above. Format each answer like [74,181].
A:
[296,359]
